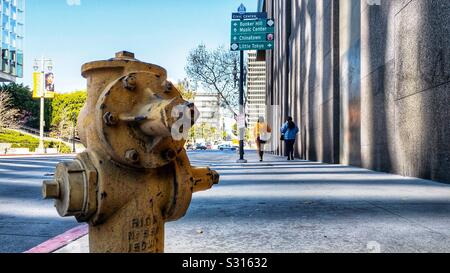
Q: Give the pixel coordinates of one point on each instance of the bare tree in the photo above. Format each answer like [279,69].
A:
[214,70]
[8,115]
[65,127]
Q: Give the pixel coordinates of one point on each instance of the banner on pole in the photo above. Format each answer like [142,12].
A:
[49,86]
[37,85]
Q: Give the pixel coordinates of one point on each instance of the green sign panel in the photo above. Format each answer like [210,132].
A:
[252,35]
[252,46]
[252,27]
[251,38]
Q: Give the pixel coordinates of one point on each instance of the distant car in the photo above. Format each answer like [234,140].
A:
[189,147]
[209,146]
[201,146]
[226,147]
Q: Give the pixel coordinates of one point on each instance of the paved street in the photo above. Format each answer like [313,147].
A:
[25,219]
[279,206]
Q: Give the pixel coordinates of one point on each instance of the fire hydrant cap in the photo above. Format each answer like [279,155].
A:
[50,190]
[125,54]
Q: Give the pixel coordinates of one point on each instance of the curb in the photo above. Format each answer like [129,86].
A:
[60,241]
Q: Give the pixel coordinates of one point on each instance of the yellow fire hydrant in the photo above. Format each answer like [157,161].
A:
[135,174]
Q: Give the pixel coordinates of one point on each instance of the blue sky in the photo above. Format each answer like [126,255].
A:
[72,32]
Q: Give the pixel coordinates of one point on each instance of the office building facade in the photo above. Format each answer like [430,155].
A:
[208,104]
[256,89]
[12,13]
[367,81]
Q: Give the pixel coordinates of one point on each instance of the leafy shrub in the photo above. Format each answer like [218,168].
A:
[19,140]
[64,149]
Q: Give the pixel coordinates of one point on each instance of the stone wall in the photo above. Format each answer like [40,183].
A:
[368,82]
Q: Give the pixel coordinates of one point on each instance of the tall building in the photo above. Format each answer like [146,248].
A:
[12,13]
[256,89]
[368,84]
[209,107]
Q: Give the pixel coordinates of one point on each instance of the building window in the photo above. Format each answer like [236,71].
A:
[12,13]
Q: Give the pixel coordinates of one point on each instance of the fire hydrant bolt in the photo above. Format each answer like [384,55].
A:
[129,82]
[168,87]
[132,156]
[170,155]
[109,119]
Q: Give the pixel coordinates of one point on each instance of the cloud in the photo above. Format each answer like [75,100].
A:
[73,2]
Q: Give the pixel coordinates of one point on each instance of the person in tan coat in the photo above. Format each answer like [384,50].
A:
[261,132]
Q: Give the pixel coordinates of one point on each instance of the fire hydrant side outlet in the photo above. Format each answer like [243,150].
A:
[134,175]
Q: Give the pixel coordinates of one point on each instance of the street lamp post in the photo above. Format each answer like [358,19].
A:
[241,104]
[41,64]
[74,149]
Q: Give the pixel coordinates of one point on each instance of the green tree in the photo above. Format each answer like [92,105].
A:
[65,111]
[234,129]
[192,134]
[185,90]
[224,135]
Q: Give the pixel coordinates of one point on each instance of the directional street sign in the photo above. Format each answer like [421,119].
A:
[252,27]
[249,15]
[252,46]
[252,38]
[252,34]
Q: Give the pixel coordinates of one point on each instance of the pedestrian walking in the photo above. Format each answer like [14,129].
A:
[289,133]
[261,131]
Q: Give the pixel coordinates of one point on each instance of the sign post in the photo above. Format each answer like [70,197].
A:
[43,87]
[249,31]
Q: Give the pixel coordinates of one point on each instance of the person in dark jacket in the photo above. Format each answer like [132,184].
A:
[289,131]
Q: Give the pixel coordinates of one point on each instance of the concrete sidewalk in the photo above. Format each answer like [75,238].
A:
[280,206]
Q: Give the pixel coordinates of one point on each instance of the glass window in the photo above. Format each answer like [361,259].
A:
[20,16]
[19,30]
[14,13]
[5,38]
[19,43]
[13,62]
[20,71]
[19,58]
[21,4]
[5,63]
[6,11]
[5,22]
[13,40]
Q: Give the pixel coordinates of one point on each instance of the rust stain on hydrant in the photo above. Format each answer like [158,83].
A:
[134,176]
